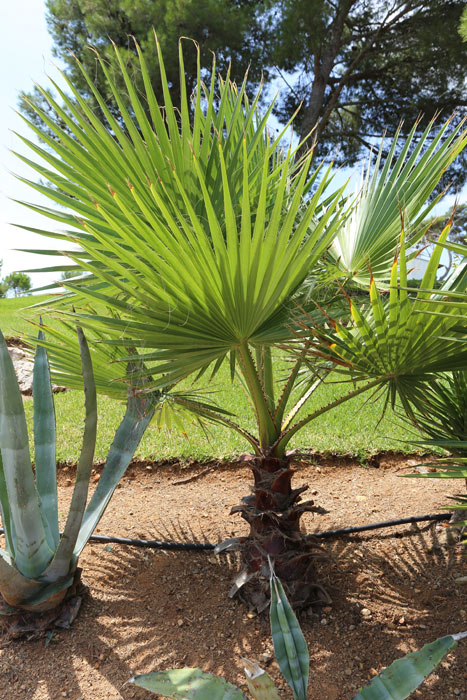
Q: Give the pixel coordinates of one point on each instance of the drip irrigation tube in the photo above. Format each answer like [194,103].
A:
[386,523]
[190,546]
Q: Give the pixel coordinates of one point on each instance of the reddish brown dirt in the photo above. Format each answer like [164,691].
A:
[150,610]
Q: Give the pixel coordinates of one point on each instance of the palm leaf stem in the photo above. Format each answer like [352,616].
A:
[266,426]
[300,403]
[287,390]
[282,441]
[267,374]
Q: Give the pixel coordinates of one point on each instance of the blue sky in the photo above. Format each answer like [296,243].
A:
[26,57]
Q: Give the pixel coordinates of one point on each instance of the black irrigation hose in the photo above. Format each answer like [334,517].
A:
[155,544]
[386,523]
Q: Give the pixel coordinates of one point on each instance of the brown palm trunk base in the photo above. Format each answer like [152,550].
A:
[16,622]
[273,511]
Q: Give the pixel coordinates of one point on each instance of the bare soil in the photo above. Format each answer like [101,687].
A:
[393,590]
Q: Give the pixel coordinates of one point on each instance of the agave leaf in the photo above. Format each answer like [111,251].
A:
[45,445]
[32,552]
[402,677]
[13,585]
[15,588]
[289,643]
[27,593]
[260,684]
[5,513]
[188,684]
[139,412]
[61,563]
[49,595]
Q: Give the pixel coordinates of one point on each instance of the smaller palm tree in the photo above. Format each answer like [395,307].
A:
[442,422]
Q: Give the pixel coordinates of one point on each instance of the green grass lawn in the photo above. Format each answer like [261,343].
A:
[14,314]
[352,428]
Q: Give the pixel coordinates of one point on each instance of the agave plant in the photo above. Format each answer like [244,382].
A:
[396,682]
[199,235]
[39,565]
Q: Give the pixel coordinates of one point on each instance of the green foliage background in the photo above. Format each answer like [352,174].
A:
[357,68]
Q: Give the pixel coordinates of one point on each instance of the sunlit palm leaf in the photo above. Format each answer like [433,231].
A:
[173,409]
[188,228]
[442,419]
[442,422]
[368,239]
[400,341]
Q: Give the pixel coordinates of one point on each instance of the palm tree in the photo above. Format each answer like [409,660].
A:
[204,240]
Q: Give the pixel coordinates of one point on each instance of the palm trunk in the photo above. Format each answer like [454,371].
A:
[273,511]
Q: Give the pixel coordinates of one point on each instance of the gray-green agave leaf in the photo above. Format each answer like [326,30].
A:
[404,676]
[188,684]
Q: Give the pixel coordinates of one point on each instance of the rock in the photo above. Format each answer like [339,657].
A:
[24,364]
[366,612]
[266,658]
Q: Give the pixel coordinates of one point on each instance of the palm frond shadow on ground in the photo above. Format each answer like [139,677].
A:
[149,610]
[415,574]
[138,637]
[145,630]
[101,649]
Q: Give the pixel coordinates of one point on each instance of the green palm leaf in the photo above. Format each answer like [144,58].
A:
[368,239]
[402,341]
[199,233]
[189,234]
